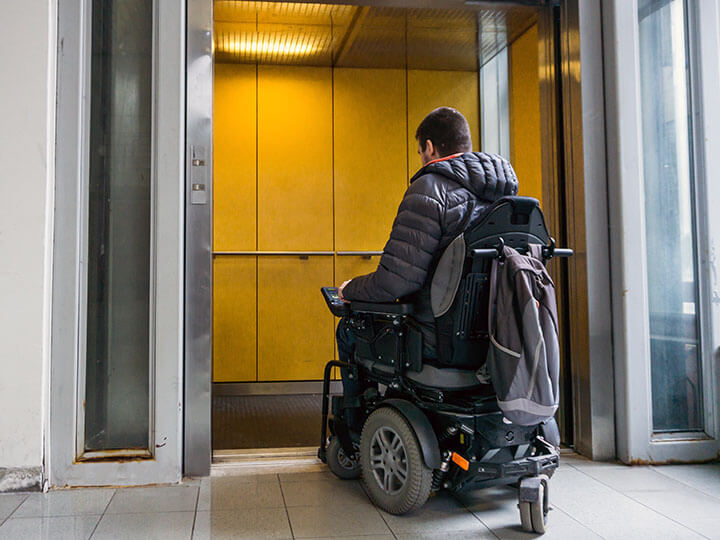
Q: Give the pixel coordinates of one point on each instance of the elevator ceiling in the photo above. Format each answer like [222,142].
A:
[322,34]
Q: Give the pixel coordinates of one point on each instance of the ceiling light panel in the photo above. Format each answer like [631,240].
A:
[364,36]
[277,32]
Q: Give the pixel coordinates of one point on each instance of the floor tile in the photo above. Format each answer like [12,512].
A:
[497,509]
[684,506]
[65,527]
[160,525]
[192,481]
[69,502]
[154,499]
[589,501]
[231,492]
[709,528]
[266,478]
[441,513]
[578,461]
[323,493]
[257,523]
[473,534]
[307,476]
[633,479]
[645,528]
[9,503]
[336,521]
[703,477]
[366,537]
[553,531]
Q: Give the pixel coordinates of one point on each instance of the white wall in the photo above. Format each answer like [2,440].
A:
[27,96]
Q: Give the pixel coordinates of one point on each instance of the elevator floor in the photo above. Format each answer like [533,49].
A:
[277,421]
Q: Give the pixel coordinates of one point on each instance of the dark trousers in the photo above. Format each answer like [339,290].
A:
[351,387]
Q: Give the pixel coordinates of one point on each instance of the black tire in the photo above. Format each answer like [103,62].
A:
[387,428]
[342,466]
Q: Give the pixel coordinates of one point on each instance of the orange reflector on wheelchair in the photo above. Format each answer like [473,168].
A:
[460,461]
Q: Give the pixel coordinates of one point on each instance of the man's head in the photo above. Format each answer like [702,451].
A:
[443,132]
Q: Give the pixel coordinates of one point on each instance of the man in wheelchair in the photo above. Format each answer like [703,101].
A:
[420,411]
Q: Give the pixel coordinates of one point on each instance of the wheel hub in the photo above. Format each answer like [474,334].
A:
[388,460]
[352,462]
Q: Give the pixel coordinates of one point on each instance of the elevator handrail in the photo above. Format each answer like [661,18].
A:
[277,253]
[303,253]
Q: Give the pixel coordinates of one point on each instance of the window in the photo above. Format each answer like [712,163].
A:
[494,108]
[117,391]
[670,217]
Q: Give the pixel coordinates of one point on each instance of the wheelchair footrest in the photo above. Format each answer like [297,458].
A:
[482,473]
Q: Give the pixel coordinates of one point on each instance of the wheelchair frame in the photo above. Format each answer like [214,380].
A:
[462,434]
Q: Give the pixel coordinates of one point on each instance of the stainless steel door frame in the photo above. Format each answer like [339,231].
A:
[585,189]
[636,441]
[705,25]
[574,196]
[65,465]
[198,239]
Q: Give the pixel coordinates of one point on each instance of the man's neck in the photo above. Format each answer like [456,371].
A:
[451,156]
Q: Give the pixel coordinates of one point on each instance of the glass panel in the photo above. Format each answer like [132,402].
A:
[494,108]
[118,284]
[669,215]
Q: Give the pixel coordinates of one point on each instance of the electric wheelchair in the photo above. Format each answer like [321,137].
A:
[434,424]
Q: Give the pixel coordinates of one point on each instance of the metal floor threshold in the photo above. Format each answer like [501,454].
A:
[265,461]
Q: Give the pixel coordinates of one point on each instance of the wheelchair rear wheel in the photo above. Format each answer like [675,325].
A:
[393,470]
[342,466]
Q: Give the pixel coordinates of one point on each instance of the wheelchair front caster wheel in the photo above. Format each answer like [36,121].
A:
[533,504]
[394,473]
[342,466]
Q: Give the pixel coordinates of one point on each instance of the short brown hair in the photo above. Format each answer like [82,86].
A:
[447,129]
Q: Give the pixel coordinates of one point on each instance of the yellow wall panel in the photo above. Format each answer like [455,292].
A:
[234,150]
[370,150]
[525,113]
[294,323]
[234,319]
[294,158]
[428,90]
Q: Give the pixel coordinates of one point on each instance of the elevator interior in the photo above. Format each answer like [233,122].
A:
[315,110]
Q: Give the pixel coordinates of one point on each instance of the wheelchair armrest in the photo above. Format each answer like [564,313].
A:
[382,309]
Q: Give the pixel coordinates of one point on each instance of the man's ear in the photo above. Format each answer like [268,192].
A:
[429,147]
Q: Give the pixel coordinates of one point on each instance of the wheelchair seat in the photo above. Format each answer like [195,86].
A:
[445,378]
[430,376]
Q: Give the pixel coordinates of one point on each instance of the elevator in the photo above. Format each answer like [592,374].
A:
[315,108]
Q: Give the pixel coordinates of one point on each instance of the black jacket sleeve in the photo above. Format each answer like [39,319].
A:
[414,239]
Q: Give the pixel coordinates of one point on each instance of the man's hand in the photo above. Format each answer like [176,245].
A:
[340,291]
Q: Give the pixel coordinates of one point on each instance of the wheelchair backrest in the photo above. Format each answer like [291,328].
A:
[517,220]
[459,288]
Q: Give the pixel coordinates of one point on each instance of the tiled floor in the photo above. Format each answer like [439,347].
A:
[590,500]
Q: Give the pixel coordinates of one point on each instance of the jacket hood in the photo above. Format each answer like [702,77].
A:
[487,176]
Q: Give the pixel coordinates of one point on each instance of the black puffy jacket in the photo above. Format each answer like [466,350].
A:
[444,198]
